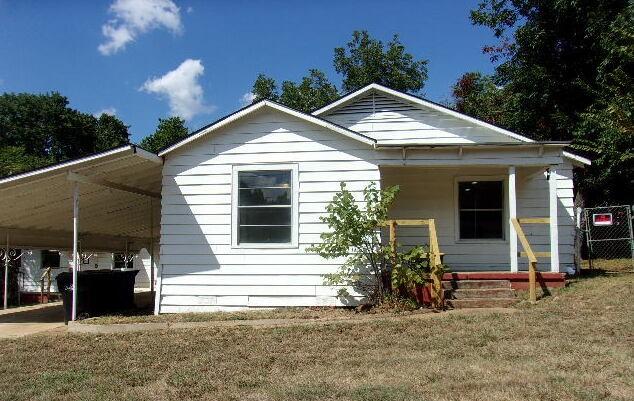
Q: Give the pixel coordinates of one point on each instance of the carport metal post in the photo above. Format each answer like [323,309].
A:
[75,250]
[151,245]
[5,295]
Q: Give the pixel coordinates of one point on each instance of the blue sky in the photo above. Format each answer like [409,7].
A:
[215,48]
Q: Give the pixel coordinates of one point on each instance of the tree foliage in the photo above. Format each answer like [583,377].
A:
[312,92]
[363,61]
[565,72]
[168,132]
[366,60]
[40,129]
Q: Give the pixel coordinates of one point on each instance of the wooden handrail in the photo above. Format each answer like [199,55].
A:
[434,255]
[528,251]
[46,274]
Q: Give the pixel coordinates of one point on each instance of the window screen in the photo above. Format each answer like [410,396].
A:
[481,207]
[264,206]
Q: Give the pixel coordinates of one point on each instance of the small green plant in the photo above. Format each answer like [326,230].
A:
[410,268]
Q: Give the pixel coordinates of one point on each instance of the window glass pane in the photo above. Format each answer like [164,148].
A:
[481,195]
[265,216]
[259,179]
[270,235]
[265,196]
[481,225]
[468,225]
[489,224]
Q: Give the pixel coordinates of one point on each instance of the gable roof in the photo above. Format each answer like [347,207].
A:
[248,110]
[374,87]
[419,101]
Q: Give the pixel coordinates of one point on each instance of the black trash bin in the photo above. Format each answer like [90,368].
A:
[100,292]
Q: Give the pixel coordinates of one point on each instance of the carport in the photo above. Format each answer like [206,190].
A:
[106,202]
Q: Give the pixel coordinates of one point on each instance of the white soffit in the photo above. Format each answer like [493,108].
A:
[36,207]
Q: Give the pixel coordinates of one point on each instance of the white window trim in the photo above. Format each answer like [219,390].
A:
[294,205]
[505,210]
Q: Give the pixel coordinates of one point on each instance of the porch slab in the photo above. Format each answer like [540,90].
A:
[519,280]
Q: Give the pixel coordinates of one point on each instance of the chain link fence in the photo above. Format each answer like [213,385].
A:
[609,237]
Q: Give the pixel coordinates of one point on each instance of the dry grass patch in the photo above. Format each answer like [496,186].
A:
[575,345]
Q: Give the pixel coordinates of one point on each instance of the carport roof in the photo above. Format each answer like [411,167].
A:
[119,199]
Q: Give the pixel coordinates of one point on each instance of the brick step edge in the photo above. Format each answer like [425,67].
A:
[497,293]
[481,303]
[477,284]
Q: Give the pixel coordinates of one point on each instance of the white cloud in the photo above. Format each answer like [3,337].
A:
[108,110]
[247,98]
[134,17]
[182,89]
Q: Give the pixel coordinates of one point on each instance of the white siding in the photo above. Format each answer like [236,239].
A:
[392,120]
[32,268]
[201,271]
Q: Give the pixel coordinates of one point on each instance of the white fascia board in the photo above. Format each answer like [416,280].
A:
[422,102]
[66,165]
[275,106]
[577,160]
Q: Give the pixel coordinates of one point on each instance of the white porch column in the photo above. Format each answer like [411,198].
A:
[554,224]
[512,214]
[75,250]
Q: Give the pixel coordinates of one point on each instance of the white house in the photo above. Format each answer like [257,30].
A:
[241,198]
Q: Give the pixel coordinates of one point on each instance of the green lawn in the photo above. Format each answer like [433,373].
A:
[576,345]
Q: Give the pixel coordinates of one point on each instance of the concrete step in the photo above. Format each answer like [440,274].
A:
[476,284]
[481,303]
[478,293]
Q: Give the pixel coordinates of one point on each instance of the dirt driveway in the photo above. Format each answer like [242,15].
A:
[22,321]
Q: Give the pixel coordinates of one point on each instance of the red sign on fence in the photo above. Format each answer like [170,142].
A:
[602,219]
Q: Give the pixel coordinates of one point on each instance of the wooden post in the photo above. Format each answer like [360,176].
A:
[554,225]
[512,200]
[532,268]
[393,239]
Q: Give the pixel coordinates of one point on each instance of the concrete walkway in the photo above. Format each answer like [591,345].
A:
[26,320]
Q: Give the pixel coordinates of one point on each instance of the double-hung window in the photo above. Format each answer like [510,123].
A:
[481,209]
[264,205]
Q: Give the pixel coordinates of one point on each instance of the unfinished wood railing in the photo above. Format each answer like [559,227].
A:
[46,276]
[528,251]
[434,254]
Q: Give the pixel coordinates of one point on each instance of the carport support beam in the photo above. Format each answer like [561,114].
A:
[5,295]
[75,250]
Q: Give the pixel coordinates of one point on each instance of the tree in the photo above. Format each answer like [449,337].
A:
[168,132]
[366,60]
[477,95]
[313,92]
[111,132]
[40,129]
[265,88]
[566,73]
